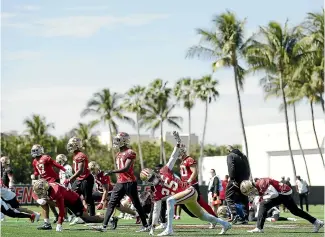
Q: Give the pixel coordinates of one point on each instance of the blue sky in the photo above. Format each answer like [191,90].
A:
[56,54]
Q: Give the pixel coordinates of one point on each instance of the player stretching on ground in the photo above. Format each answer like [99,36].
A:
[178,192]
[43,167]
[273,193]
[126,181]
[44,192]
[83,181]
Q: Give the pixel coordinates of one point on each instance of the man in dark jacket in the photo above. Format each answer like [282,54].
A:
[238,170]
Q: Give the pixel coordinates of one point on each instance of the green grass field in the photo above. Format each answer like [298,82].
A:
[185,227]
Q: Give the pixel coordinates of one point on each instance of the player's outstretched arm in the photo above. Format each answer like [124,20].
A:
[173,157]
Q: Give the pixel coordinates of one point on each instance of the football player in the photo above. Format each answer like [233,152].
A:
[44,192]
[126,181]
[11,212]
[83,181]
[273,193]
[43,167]
[7,176]
[177,192]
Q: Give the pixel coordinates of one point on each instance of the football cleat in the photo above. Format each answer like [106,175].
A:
[166,233]
[144,229]
[256,230]
[317,225]
[225,229]
[99,228]
[162,226]
[114,223]
[45,226]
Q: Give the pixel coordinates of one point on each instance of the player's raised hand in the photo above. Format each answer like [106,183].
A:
[108,172]
[177,137]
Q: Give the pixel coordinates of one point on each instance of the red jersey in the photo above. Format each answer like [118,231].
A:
[263,184]
[170,185]
[100,179]
[44,167]
[186,171]
[62,196]
[121,158]
[78,158]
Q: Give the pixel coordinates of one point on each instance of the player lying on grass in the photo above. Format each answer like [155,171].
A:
[176,192]
[272,215]
[47,193]
[273,193]
[11,205]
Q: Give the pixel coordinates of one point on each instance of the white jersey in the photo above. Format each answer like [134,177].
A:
[65,174]
[7,194]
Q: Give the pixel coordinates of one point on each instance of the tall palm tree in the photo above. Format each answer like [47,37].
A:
[133,102]
[38,129]
[206,91]
[272,53]
[159,109]
[184,91]
[107,106]
[224,45]
[89,138]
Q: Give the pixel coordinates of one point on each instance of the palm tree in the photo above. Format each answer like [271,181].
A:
[107,106]
[206,91]
[89,138]
[184,90]
[38,129]
[273,55]
[224,46]
[134,103]
[159,109]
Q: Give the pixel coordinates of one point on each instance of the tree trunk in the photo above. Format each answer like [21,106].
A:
[300,146]
[202,142]
[112,149]
[242,120]
[287,127]
[313,121]
[189,132]
[139,142]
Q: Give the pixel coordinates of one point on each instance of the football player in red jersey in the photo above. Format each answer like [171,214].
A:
[82,181]
[177,192]
[44,192]
[273,193]
[43,167]
[126,181]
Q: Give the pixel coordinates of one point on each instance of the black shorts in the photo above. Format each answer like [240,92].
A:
[84,187]
[77,207]
[13,203]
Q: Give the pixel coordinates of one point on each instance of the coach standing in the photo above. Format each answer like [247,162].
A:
[238,170]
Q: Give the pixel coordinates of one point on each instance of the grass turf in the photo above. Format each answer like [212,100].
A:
[185,227]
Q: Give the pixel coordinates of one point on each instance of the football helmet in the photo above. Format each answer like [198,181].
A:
[149,176]
[74,144]
[222,212]
[121,139]
[5,160]
[248,188]
[93,167]
[37,150]
[40,188]
[61,159]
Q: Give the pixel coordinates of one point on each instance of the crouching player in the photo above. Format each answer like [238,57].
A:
[47,193]
[176,192]
[273,193]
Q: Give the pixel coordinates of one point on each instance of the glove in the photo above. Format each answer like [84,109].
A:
[108,172]
[100,206]
[32,177]
[66,182]
[151,231]
[58,227]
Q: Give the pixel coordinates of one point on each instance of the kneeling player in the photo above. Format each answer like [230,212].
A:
[273,193]
[47,193]
[178,192]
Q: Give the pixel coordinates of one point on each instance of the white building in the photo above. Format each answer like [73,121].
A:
[170,138]
[269,154]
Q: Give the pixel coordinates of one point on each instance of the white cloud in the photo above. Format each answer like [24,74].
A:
[83,26]
[22,55]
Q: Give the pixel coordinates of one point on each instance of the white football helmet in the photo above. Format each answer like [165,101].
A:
[121,139]
[5,160]
[61,159]
[248,188]
[222,212]
[74,144]
[149,176]
[40,187]
[37,150]
[93,167]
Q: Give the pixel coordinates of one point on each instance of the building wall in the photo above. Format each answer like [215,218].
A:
[170,138]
